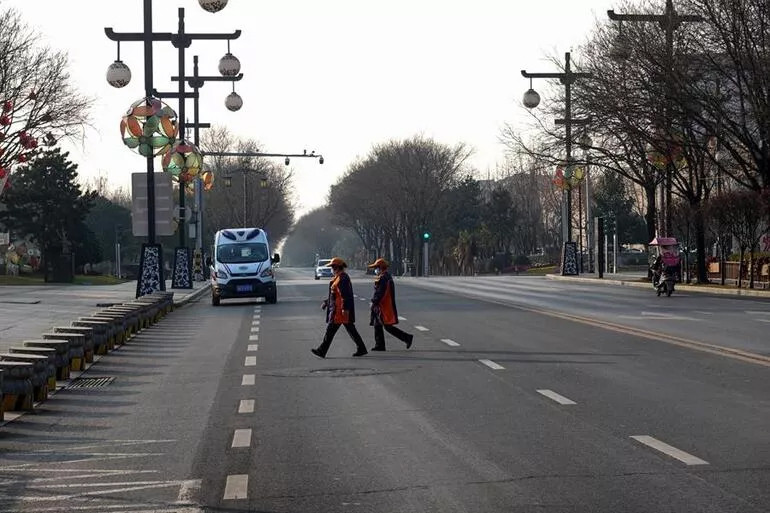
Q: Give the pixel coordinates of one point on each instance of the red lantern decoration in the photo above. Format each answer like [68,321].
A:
[3,172]
[5,120]
[22,158]
[7,106]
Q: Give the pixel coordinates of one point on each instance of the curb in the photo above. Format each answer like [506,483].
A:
[195,295]
[765,294]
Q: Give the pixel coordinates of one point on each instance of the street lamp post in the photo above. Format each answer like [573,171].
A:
[531,100]
[586,142]
[118,74]
[669,21]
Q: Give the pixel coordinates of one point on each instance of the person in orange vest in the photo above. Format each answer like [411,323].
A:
[340,310]
[384,313]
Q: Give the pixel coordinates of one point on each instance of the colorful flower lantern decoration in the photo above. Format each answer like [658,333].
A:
[149,127]
[208,180]
[183,161]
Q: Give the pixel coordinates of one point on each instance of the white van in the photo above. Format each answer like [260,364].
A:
[241,265]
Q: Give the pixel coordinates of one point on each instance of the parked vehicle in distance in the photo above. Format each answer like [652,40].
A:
[321,270]
[242,266]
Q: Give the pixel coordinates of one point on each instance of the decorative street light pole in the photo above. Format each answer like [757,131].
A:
[669,22]
[196,82]
[119,75]
[531,100]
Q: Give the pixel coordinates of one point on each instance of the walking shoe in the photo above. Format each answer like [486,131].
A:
[361,352]
[409,342]
[317,353]
[377,348]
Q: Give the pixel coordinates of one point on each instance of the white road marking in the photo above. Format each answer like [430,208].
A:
[253,347]
[400,318]
[257,315]
[255,329]
[255,322]
[492,365]
[236,487]
[251,361]
[686,458]
[550,394]
[758,312]
[242,438]
[762,320]
[248,380]
[111,491]
[246,406]
[187,491]
[421,328]
[253,338]
[450,342]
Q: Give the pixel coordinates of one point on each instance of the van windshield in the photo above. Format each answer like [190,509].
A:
[322,263]
[242,252]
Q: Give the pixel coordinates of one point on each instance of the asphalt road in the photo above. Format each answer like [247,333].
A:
[519,395]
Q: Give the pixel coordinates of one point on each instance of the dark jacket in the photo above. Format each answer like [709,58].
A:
[384,301]
[341,298]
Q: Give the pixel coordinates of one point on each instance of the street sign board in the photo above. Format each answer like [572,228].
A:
[164,204]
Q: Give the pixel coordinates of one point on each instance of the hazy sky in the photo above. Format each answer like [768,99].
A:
[335,76]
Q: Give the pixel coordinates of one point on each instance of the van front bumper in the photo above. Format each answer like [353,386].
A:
[243,288]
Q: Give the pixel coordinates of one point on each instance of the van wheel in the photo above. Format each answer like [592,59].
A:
[215,300]
[272,298]
[317,277]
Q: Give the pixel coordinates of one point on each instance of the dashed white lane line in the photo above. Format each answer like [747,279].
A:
[401,318]
[257,315]
[255,329]
[253,347]
[253,338]
[255,322]
[248,380]
[251,361]
[421,328]
[236,487]
[492,365]
[242,438]
[450,342]
[668,450]
[550,394]
[246,406]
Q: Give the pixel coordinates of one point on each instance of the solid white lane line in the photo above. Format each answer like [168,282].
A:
[450,342]
[251,361]
[253,347]
[246,406]
[421,328]
[255,322]
[762,320]
[253,338]
[255,329]
[401,318]
[236,487]
[492,365]
[242,438]
[248,380]
[550,394]
[668,450]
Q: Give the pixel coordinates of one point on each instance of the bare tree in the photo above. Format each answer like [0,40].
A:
[39,104]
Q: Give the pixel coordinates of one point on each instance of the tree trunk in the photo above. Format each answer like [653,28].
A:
[700,246]
[740,268]
[751,268]
[650,216]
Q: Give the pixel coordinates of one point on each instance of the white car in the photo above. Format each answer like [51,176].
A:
[321,270]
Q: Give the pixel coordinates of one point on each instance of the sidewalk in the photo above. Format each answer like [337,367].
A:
[635,280]
[26,311]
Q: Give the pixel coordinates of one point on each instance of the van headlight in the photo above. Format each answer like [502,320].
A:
[222,274]
[267,273]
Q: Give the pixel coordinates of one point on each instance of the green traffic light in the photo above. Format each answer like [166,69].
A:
[426,235]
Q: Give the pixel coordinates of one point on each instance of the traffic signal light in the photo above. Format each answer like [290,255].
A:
[426,236]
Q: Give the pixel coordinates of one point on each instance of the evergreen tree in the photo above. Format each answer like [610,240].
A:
[46,203]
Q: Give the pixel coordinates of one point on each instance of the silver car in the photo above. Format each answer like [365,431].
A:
[321,270]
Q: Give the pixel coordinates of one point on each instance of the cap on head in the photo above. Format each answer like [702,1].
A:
[380,262]
[337,262]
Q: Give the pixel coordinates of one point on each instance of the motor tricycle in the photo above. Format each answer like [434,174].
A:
[666,264]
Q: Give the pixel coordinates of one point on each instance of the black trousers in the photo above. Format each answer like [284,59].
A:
[331,330]
[379,334]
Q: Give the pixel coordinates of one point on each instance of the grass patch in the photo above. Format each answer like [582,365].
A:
[37,279]
[542,271]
